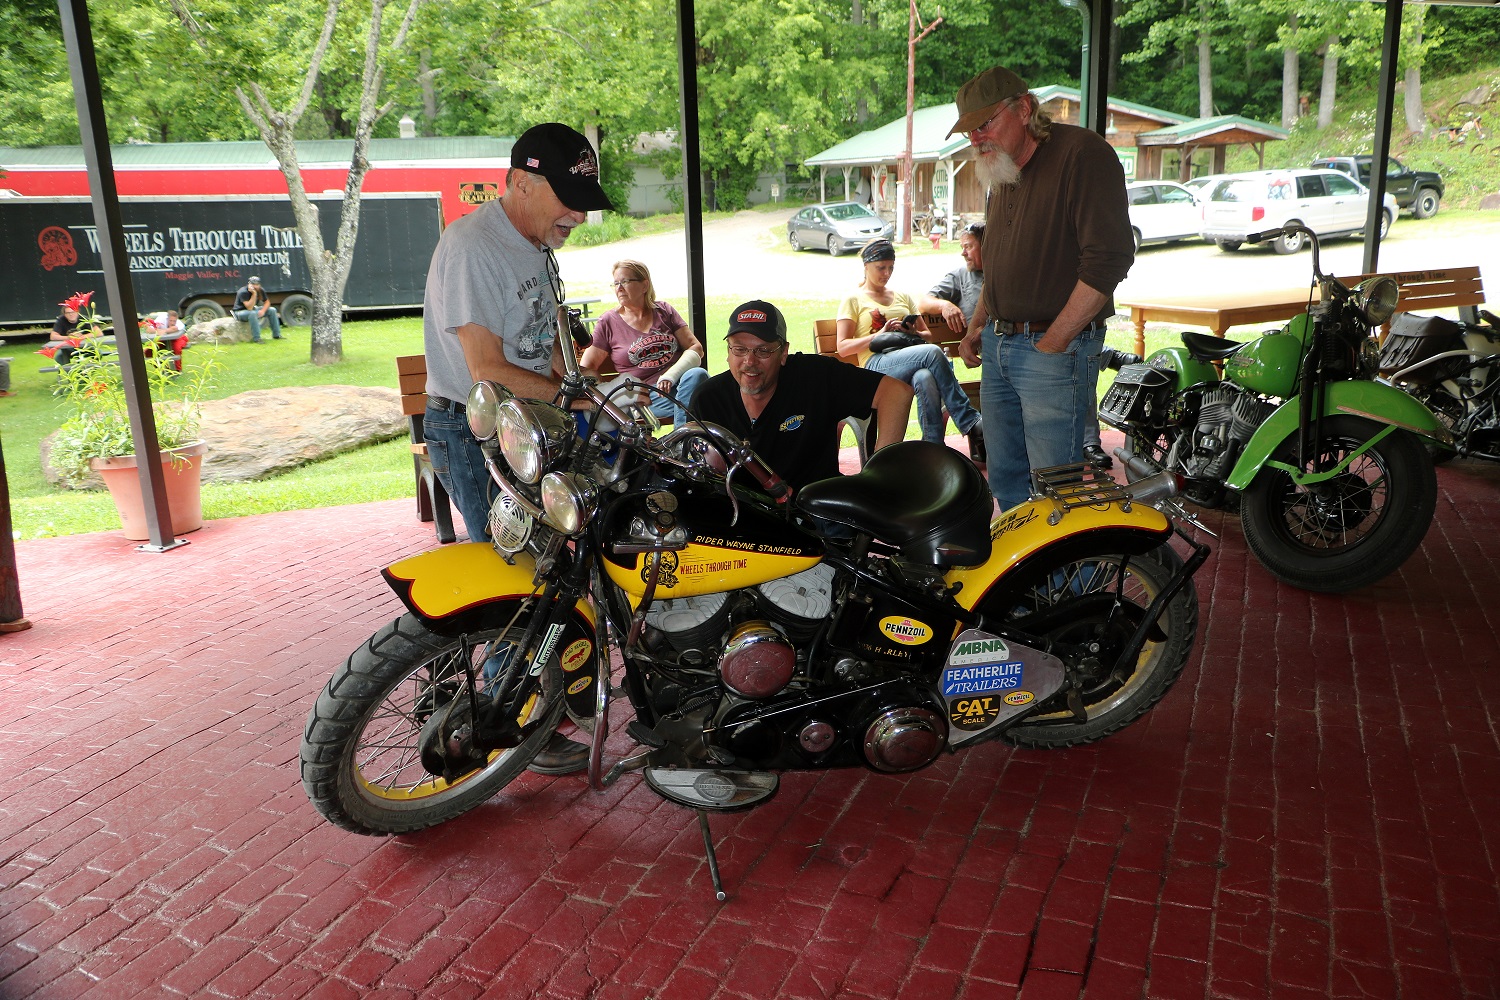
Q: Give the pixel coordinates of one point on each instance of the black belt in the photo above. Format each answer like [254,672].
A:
[1005,327]
[446,404]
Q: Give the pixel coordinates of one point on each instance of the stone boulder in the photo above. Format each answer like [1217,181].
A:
[224,330]
[256,434]
[1490,202]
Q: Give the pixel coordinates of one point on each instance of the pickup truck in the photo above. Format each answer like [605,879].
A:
[1418,191]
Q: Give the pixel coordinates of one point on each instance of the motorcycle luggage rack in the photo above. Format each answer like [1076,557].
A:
[1082,484]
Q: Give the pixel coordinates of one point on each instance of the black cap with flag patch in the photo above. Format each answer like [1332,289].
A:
[566,159]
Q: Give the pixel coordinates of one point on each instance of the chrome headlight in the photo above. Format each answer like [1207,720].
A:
[534,436]
[484,402]
[1376,298]
[568,501]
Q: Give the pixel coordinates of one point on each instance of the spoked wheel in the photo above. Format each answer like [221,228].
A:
[388,745]
[1348,531]
[1089,607]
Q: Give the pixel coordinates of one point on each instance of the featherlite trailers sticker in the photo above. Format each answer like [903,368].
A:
[987,681]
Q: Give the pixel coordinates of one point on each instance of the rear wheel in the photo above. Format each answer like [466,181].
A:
[377,753]
[1072,603]
[201,311]
[791,238]
[1228,246]
[1348,531]
[296,310]
[1290,242]
[1425,204]
[1135,234]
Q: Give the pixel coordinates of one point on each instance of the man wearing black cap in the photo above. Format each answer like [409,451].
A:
[1056,243]
[251,305]
[490,313]
[788,406]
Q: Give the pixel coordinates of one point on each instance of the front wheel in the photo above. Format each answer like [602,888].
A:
[296,310]
[1228,246]
[835,246]
[1425,204]
[1289,242]
[403,696]
[1349,531]
[202,311]
[1088,606]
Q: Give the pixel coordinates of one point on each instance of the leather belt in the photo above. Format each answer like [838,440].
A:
[1005,327]
[446,404]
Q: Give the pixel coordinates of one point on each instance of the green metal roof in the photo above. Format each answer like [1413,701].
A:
[1054,91]
[255,153]
[1197,128]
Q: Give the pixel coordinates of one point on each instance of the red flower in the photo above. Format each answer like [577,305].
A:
[77,302]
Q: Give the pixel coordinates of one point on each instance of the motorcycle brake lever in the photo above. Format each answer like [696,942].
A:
[734,501]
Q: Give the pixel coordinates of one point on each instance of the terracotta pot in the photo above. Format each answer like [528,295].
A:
[184,503]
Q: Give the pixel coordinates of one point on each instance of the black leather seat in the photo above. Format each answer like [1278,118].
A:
[1207,347]
[926,499]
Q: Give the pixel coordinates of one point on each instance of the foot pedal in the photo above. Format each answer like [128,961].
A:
[644,734]
[719,791]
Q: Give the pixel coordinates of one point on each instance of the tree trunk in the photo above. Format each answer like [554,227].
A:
[429,93]
[1416,118]
[861,104]
[1330,82]
[1291,84]
[1205,76]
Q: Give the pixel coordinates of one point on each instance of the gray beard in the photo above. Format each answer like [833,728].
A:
[996,169]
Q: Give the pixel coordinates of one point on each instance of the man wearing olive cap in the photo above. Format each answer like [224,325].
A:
[1056,243]
[490,313]
[252,305]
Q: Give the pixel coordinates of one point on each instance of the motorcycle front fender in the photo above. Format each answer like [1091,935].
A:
[1025,532]
[1375,401]
[465,588]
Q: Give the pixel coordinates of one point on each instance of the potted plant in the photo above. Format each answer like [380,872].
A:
[96,437]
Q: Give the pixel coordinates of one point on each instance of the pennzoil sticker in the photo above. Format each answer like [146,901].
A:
[580,684]
[905,630]
[982,678]
[576,655]
[975,713]
[1020,698]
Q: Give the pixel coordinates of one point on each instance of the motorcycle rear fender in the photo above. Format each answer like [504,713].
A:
[465,588]
[1375,401]
[1023,533]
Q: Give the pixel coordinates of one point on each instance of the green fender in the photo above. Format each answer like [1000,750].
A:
[1375,401]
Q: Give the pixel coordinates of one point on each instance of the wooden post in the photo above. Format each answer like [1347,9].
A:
[11,618]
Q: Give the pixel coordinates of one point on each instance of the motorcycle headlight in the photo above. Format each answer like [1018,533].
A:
[568,501]
[534,436]
[484,403]
[1376,298]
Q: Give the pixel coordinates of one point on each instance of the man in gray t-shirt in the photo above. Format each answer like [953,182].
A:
[956,295]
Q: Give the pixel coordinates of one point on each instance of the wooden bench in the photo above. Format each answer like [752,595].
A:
[432,498]
[825,331]
[1440,288]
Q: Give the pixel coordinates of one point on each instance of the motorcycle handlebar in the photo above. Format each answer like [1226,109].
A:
[735,451]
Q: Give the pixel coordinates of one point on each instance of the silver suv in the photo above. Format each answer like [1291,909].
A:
[1326,201]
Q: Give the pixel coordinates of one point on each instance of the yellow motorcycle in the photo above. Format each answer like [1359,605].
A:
[876,620]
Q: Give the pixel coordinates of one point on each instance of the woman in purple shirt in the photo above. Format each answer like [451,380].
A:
[649,341]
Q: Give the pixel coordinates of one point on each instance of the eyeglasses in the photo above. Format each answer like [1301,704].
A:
[554,277]
[626,281]
[769,351]
[991,119]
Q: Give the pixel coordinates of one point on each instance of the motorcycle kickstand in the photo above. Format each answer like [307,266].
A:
[713,859]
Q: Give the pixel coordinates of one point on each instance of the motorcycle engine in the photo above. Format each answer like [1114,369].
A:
[1227,416]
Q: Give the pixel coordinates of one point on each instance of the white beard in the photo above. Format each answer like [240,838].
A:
[995,168]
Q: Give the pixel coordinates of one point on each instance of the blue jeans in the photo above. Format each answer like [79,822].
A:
[1035,406]
[252,317]
[929,372]
[683,389]
[459,464]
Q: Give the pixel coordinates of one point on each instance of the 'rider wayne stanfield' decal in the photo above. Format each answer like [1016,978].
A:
[576,655]
[1012,521]
[905,631]
[979,651]
[983,678]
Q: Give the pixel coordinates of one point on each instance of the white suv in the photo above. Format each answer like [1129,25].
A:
[1326,201]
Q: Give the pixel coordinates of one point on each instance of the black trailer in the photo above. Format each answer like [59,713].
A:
[193,253]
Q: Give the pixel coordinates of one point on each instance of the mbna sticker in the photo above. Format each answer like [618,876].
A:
[1019,698]
[576,655]
[905,630]
[792,423]
[580,684]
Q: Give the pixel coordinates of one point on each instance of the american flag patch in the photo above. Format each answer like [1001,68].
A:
[532,161]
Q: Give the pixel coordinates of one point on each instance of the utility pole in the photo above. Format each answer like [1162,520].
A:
[908,173]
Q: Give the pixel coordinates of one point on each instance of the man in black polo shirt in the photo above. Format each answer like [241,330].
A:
[788,406]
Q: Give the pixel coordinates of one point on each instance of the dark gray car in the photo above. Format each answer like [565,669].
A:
[837,226]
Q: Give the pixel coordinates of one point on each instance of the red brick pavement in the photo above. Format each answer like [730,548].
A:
[1312,812]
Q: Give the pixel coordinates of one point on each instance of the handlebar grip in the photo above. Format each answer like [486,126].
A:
[775,487]
[1269,234]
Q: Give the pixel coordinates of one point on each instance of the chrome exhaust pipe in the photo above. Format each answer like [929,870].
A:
[1155,488]
[1134,465]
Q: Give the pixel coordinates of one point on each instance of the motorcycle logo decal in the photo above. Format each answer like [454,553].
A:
[905,630]
[979,651]
[1020,698]
[549,642]
[1012,521]
[983,678]
[792,423]
[667,575]
[576,655]
[579,684]
[57,248]
[974,713]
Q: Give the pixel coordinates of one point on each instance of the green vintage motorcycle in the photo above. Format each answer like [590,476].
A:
[1328,467]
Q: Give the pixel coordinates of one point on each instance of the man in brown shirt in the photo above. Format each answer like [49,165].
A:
[1057,241]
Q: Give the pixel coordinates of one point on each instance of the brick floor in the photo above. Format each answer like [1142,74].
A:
[1311,812]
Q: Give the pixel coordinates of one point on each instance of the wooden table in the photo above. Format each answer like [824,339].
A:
[1218,310]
